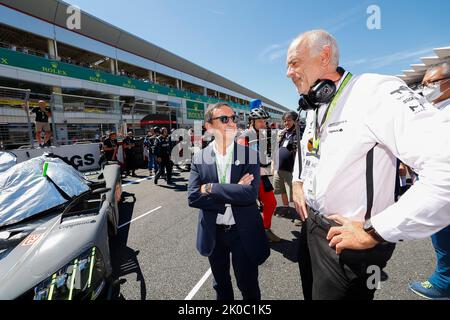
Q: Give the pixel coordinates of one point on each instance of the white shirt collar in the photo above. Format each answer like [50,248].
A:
[341,80]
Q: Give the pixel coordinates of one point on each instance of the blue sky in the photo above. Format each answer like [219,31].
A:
[246,40]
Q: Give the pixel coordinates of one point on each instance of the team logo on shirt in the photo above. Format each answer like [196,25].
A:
[410,99]
[336,127]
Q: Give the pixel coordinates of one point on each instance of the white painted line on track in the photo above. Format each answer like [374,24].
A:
[136,181]
[198,285]
[143,179]
[141,216]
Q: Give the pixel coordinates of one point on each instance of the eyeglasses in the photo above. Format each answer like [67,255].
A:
[226,119]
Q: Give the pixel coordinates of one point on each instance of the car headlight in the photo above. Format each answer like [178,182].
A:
[80,279]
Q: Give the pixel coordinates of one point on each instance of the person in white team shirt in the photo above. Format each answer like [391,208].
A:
[436,84]
[356,128]
[436,90]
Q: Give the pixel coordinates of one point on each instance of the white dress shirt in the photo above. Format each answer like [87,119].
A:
[221,163]
[375,109]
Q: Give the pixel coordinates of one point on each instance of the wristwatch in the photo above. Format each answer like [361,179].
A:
[368,227]
[208,188]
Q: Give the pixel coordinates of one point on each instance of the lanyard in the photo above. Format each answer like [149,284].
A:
[223,174]
[288,135]
[328,112]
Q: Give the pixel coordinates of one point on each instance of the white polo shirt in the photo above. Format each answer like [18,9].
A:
[224,163]
[381,111]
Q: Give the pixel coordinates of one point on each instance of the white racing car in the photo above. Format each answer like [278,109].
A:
[54,230]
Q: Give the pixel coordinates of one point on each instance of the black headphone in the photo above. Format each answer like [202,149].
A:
[321,92]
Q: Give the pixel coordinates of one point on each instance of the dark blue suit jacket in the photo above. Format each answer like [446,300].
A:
[242,199]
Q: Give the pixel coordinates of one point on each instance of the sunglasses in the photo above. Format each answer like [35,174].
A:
[226,119]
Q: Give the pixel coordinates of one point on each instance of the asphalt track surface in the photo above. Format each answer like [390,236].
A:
[155,258]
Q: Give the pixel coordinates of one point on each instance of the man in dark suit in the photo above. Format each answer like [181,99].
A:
[224,184]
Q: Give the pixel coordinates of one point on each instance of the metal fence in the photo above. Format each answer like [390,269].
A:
[15,123]
[76,119]
[81,119]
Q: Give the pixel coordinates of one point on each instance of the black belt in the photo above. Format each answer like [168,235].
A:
[320,220]
[377,255]
[226,227]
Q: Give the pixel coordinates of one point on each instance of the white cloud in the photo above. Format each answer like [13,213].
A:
[274,52]
[399,56]
[386,60]
[346,18]
[277,51]
[355,62]
[220,13]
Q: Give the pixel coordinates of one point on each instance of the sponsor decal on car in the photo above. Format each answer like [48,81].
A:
[32,238]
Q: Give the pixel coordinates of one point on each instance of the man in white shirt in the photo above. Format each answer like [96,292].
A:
[436,90]
[356,128]
[224,184]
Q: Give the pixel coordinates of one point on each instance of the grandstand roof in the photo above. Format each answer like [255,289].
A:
[417,71]
[54,12]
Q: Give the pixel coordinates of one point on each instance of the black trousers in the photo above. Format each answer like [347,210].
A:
[165,165]
[245,270]
[304,263]
[130,162]
[328,276]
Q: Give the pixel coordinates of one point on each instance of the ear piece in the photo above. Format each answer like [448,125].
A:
[321,92]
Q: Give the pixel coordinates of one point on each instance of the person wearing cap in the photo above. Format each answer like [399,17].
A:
[356,127]
[256,137]
[436,89]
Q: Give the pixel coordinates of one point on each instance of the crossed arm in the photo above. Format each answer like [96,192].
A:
[244,193]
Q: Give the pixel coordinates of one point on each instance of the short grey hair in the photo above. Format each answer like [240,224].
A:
[445,65]
[316,41]
[210,110]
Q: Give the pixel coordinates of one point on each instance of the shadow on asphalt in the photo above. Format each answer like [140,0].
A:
[288,248]
[179,184]
[124,259]
[290,213]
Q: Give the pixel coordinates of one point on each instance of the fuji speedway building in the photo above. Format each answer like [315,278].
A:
[99,77]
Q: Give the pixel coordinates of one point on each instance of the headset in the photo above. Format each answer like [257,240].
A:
[321,92]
